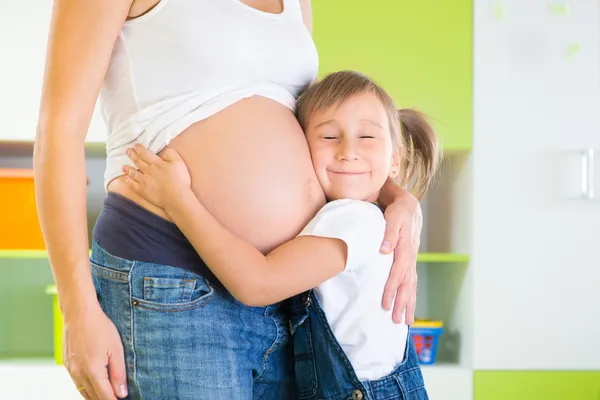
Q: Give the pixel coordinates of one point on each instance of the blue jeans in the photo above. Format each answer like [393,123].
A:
[185,338]
[323,372]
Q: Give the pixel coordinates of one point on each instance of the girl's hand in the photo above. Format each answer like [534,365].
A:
[159,179]
[403,235]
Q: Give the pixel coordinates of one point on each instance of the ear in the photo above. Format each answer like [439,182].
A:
[395,165]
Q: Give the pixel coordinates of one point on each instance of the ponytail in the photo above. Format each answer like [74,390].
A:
[420,151]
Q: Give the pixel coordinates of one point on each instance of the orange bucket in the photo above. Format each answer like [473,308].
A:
[19,224]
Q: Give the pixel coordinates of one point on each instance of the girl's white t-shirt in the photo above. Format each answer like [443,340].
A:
[352,300]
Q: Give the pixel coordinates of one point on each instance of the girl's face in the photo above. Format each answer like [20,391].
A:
[351,148]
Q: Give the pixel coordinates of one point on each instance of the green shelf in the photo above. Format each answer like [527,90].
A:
[442,258]
[422,257]
[24,254]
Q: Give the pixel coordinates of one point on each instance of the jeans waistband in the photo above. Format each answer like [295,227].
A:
[127,230]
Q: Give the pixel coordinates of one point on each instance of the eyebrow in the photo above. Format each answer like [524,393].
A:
[331,121]
[369,121]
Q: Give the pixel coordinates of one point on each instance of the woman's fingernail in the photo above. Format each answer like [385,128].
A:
[123,390]
[385,246]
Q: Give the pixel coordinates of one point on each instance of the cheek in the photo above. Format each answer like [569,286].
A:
[320,157]
[381,159]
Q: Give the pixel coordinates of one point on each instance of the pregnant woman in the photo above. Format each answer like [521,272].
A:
[217,82]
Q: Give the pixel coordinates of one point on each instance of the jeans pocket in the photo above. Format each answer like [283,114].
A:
[169,289]
[109,273]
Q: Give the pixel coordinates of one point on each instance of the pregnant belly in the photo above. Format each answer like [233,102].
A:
[251,168]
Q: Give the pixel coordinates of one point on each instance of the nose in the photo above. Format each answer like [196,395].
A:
[347,151]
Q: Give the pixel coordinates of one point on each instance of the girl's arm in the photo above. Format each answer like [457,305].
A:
[80,42]
[252,278]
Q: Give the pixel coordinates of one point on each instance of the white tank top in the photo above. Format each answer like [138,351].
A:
[186,60]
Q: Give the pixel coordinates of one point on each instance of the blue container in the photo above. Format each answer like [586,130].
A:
[426,337]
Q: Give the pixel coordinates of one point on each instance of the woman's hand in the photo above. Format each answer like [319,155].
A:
[161,180]
[91,344]
[404,221]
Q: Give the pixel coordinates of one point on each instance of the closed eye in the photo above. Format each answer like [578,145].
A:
[329,137]
[367,137]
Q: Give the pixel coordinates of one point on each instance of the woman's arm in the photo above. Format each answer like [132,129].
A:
[402,235]
[80,42]
[252,278]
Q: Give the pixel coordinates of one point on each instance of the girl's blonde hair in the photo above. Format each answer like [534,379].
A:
[413,137]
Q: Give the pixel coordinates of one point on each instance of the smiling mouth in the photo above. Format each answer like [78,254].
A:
[347,173]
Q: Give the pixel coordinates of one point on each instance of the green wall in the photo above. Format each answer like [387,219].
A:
[419,51]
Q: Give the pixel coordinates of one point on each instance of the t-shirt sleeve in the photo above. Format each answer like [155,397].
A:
[360,225]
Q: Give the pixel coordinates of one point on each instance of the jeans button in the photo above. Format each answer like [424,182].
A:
[357,395]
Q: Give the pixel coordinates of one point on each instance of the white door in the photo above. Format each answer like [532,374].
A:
[536,249]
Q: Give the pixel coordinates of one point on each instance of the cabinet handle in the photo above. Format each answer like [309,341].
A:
[587,174]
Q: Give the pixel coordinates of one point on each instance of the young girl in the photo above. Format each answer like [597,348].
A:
[346,345]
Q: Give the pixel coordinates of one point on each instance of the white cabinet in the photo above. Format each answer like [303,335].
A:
[24,29]
[535,259]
